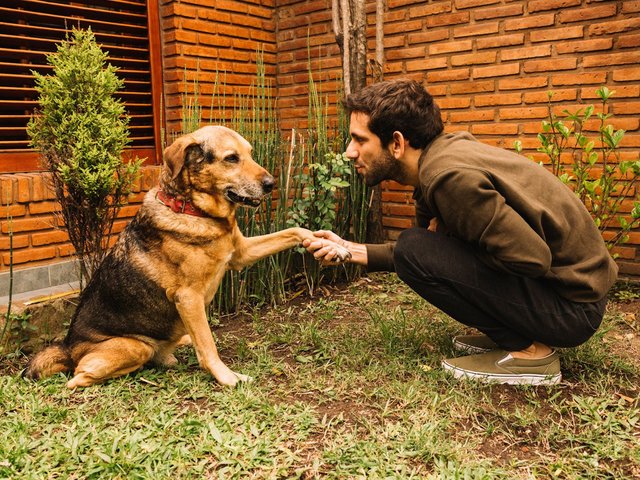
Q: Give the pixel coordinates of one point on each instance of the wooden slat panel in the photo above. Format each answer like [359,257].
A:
[30,29]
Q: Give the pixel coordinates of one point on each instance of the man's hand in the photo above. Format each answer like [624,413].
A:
[329,248]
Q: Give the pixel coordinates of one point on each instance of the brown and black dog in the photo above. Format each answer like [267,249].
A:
[153,287]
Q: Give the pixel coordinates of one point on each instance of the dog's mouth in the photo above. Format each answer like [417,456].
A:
[235,197]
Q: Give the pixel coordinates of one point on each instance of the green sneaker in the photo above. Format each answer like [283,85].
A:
[498,366]
[471,344]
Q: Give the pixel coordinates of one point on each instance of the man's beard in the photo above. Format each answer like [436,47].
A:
[383,167]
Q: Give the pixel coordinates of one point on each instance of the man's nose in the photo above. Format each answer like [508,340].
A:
[351,152]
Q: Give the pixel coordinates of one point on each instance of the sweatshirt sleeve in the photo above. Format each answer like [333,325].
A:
[473,210]
[380,257]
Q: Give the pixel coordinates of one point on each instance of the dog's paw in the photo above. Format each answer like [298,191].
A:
[341,254]
[227,377]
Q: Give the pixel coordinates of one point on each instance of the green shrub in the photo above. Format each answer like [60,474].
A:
[597,174]
[81,130]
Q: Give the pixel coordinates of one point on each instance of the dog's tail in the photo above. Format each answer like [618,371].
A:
[53,359]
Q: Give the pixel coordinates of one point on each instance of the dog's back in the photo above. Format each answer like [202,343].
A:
[120,300]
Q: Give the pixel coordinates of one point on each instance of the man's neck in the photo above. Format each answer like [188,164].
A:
[409,163]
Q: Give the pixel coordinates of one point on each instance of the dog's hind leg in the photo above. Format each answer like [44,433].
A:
[109,359]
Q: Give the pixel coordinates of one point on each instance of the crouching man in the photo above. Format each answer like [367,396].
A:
[501,244]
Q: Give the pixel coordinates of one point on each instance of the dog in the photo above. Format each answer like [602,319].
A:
[149,294]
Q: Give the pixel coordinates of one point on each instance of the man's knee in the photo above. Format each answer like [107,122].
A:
[411,253]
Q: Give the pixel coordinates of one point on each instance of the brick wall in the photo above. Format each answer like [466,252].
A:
[205,41]
[30,211]
[489,64]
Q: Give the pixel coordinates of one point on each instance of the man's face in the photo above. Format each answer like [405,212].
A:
[372,161]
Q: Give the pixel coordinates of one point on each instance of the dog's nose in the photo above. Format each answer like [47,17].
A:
[268,183]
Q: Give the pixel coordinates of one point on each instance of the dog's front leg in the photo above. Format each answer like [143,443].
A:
[191,308]
[249,250]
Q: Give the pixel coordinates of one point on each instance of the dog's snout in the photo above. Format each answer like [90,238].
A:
[268,182]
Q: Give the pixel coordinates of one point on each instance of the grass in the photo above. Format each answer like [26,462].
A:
[346,386]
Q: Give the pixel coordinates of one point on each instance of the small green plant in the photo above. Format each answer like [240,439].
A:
[81,130]
[597,174]
[316,208]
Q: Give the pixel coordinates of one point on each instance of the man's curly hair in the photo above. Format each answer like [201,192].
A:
[398,105]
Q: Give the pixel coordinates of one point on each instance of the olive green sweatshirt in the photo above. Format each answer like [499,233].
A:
[520,217]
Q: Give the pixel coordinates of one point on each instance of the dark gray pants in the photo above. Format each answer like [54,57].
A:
[514,311]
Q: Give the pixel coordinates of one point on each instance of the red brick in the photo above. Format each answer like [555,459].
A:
[24,188]
[401,3]
[402,27]
[626,74]
[12,210]
[473,59]
[461,4]
[579,78]
[19,241]
[618,26]
[400,54]
[397,197]
[449,47]
[447,19]
[448,75]
[30,255]
[398,210]
[523,83]
[427,37]
[529,22]
[559,95]
[455,102]
[584,45]
[550,65]
[498,99]
[522,113]
[8,189]
[542,5]
[556,34]
[47,238]
[626,108]
[67,250]
[500,41]
[494,129]
[606,60]
[475,30]
[28,224]
[472,116]
[526,52]
[498,12]
[629,6]
[427,64]
[625,123]
[621,91]
[36,208]
[427,10]
[628,41]
[500,70]
[397,222]
[472,87]
[582,14]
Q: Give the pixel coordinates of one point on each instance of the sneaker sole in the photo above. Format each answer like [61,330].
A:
[470,349]
[506,379]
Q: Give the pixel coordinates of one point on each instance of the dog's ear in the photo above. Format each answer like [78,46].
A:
[176,154]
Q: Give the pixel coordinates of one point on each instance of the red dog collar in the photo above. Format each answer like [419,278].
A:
[179,206]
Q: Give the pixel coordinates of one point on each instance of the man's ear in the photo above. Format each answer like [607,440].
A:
[175,154]
[397,145]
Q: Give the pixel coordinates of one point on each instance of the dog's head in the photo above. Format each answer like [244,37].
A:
[216,161]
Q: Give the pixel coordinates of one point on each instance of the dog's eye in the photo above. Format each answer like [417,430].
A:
[233,158]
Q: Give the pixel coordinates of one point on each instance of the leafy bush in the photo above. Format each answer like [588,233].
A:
[597,174]
[81,131]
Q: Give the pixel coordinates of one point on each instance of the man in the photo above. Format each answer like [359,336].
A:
[500,245]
